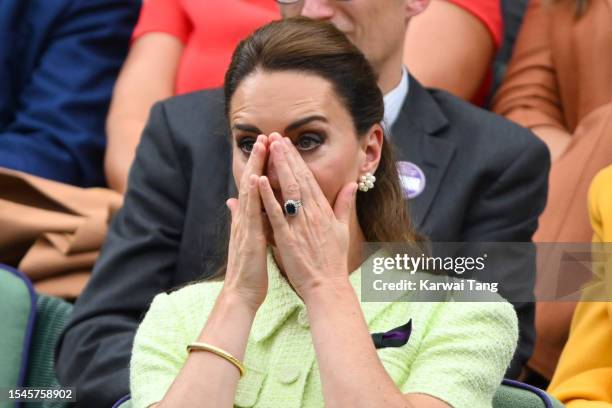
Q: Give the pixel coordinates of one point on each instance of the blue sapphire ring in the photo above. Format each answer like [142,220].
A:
[292,207]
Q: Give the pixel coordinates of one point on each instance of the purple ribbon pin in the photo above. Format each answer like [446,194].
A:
[393,338]
[412,179]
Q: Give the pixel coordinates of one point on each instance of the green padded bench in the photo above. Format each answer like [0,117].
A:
[18,311]
[515,394]
[32,325]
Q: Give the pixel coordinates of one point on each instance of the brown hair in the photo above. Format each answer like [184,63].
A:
[317,47]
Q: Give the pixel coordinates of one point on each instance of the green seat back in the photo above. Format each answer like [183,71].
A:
[514,394]
[30,328]
[51,316]
[17,314]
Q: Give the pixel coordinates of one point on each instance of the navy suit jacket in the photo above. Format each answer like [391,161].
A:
[58,64]
[486,181]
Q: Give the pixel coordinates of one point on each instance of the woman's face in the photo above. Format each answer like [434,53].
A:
[304,108]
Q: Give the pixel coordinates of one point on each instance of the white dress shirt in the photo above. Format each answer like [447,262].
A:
[394,100]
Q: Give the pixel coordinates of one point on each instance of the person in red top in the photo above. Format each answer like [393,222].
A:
[180,46]
[451,46]
[209,31]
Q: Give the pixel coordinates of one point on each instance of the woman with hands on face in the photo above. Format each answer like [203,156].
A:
[312,246]
[285,326]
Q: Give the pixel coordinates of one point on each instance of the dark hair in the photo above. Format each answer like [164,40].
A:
[316,47]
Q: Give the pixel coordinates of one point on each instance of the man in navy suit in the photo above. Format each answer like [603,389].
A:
[469,176]
[58,64]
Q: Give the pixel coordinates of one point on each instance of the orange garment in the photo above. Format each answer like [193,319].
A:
[583,378]
[52,231]
[559,76]
[561,66]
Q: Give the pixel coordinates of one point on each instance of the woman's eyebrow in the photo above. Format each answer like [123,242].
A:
[295,125]
[246,128]
[301,122]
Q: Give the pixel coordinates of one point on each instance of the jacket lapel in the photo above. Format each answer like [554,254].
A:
[416,136]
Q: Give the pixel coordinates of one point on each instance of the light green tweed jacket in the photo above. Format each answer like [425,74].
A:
[458,352]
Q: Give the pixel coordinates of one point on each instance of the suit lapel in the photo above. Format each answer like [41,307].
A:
[415,135]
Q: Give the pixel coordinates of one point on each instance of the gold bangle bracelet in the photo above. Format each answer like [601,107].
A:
[221,353]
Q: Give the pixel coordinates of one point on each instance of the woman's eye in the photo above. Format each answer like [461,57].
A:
[246,144]
[308,141]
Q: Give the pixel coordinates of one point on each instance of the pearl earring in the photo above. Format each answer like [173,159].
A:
[366,182]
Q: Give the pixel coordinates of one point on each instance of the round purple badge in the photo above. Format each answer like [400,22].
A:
[412,179]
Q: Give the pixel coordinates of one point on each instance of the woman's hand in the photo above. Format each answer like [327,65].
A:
[313,245]
[247,275]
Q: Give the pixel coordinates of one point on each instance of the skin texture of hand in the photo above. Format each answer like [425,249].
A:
[247,273]
[313,245]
